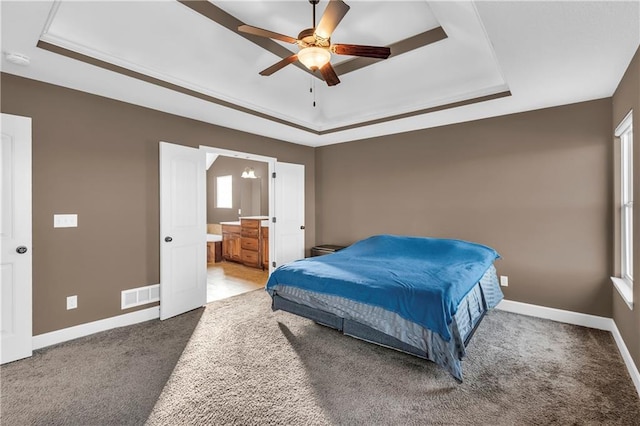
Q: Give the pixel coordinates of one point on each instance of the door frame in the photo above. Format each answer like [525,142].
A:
[271,162]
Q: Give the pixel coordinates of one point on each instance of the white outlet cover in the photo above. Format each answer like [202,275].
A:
[72,302]
[65,220]
[504,281]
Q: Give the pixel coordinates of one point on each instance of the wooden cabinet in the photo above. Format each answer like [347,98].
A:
[264,233]
[231,243]
[250,232]
[214,251]
[247,243]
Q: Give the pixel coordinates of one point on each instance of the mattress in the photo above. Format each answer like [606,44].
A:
[422,279]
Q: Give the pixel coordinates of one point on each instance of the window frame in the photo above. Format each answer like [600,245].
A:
[624,283]
[227,193]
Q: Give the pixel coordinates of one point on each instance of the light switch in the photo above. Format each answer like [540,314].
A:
[65,220]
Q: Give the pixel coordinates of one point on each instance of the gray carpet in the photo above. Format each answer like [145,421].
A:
[236,362]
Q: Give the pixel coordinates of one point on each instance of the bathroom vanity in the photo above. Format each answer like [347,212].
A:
[247,241]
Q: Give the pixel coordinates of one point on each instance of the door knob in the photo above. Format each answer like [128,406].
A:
[301,226]
[21,250]
[168,239]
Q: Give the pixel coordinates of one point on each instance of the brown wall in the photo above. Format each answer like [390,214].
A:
[224,166]
[98,158]
[625,98]
[536,186]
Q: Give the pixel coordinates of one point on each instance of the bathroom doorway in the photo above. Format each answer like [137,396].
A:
[237,188]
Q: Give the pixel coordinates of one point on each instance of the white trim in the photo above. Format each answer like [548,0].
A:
[625,289]
[626,356]
[559,315]
[576,318]
[70,333]
[236,154]
[627,122]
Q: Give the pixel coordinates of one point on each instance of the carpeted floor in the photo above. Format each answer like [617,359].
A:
[236,362]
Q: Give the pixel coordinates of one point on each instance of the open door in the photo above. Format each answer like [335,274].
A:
[15,239]
[183,242]
[289,212]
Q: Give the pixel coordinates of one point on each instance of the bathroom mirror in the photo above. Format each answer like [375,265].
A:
[251,197]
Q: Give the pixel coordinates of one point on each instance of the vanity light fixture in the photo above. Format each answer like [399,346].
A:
[249,173]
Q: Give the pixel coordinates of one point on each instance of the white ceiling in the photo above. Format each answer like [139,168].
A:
[544,53]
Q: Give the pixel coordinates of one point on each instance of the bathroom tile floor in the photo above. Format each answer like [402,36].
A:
[226,279]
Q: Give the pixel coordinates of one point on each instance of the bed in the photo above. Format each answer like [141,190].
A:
[424,296]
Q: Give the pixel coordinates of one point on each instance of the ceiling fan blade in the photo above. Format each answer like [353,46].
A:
[358,50]
[265,33]
[329,74]
[279,65]
[333,14]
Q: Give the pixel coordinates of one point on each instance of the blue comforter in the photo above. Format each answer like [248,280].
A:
[421,279]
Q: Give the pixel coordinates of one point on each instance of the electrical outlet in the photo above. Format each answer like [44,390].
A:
[72,302]
[504,281]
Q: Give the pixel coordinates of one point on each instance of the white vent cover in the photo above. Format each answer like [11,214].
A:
[140,296]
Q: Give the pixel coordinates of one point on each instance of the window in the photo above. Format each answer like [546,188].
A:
[624,284]
[224,190]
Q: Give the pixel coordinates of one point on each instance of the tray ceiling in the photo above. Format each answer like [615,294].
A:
[453,61]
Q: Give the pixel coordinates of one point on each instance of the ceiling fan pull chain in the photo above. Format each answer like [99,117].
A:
[312,90]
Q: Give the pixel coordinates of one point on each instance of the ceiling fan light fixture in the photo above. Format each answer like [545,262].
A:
[314,57]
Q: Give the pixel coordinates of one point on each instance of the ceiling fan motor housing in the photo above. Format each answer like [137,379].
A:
[308,38]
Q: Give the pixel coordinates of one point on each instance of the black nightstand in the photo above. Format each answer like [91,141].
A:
[325,249]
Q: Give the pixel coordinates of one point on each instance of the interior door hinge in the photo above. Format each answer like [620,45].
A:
[273,264]
[273,219]
[273,175]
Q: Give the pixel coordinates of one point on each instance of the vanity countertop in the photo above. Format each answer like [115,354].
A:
[264,221]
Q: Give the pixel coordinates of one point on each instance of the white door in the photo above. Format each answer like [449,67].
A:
[183,230]
[289,212]
[15,239]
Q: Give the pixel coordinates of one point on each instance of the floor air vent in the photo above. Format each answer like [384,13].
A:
[140,296]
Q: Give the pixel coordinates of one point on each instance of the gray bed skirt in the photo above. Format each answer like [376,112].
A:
[379,326]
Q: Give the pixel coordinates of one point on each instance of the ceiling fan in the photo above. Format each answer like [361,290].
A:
[315,43]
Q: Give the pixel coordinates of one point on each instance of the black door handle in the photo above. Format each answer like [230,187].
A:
[168,239]
[21,250]
[301,226]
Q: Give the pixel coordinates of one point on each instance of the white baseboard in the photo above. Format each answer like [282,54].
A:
[70,333]
[559,315]
[626,356]
[576,318]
